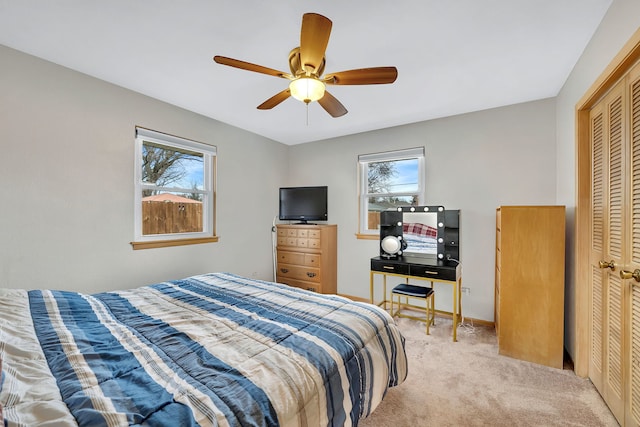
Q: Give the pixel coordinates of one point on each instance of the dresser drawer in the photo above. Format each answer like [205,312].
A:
[296,232]
[289,241]
[433,272]
[299,258]
[303,242]
[308,286]
[312,260]
[299,242]
[389,267]
[299,272]
[285,257]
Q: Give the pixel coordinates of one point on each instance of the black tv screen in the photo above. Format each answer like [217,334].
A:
[303,204]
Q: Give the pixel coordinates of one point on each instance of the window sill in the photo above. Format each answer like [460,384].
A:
[367,236]
[175,242]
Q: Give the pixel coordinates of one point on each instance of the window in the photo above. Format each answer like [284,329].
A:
[174,190]
[388,180]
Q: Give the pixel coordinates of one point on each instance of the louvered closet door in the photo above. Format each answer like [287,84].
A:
[633,324]
[599,277]
[608,246]
[614,365]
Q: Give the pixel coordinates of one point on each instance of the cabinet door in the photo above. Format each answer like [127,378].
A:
[531,271]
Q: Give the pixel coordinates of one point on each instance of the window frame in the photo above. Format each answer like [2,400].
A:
[363,184]
[209,154]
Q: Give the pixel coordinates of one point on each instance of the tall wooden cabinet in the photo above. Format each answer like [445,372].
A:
[529,283]
[307,257]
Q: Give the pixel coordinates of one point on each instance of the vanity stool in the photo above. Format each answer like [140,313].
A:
[417,292]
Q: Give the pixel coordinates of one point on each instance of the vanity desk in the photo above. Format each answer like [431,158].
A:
[431,270]
[420,242]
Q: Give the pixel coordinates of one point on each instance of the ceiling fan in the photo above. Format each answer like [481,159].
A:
[307,62]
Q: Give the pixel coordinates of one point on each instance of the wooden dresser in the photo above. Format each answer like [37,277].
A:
[529,283]
[307,257]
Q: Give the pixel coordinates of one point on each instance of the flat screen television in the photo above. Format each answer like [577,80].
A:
[303,204]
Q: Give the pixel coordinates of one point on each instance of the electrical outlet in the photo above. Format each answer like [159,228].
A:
[466,291]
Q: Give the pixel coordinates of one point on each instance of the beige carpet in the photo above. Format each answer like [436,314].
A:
[468,383]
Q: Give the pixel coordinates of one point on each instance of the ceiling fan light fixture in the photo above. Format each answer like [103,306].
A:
[307,89]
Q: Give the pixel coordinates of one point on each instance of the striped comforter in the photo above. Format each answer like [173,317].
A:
[209,350]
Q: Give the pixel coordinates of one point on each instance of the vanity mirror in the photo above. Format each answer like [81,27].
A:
[416,231]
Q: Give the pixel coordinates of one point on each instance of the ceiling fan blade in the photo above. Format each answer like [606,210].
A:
[314,38]
[275,100]
[363,76]
[250,67]
[332,105]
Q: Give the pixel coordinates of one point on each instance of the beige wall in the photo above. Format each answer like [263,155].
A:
[475,162]
[66,168]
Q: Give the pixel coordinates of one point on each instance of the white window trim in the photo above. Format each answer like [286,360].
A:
[365,159]
[209,153]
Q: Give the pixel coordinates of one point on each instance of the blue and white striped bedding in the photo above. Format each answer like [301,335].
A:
[209,350]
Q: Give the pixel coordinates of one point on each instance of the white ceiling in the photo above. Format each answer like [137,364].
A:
[453,56]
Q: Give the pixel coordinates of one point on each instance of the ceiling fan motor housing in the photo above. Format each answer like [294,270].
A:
[296,66]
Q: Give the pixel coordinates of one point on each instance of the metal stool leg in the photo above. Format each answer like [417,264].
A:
[431,314]
[417,292]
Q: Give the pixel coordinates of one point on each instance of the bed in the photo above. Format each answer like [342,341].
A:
[210,350]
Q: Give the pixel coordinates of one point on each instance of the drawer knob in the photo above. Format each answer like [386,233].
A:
[310,274]
[284,270]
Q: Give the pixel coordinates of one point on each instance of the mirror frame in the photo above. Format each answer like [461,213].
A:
[439,210]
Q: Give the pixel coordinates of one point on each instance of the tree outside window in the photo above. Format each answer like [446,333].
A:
[167,167]
[389,180]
